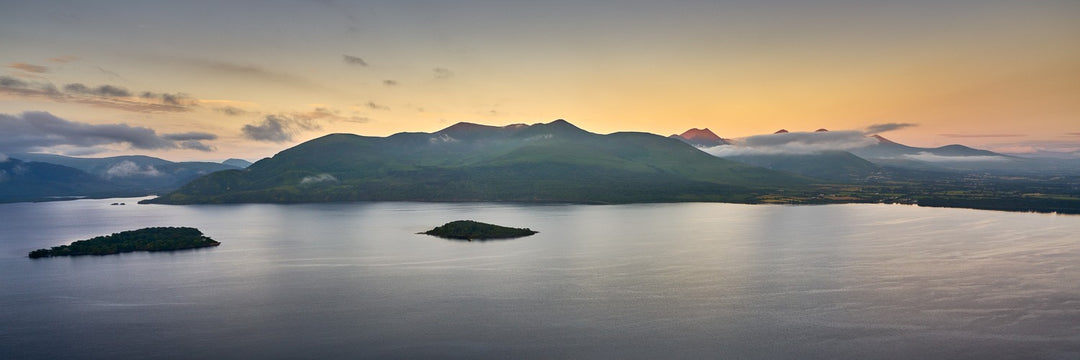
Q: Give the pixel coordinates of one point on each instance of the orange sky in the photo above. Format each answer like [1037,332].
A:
[1003,75]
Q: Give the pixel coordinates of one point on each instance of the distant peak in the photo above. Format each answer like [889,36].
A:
[822,130]
[882,139]
[700,134]
[781,131]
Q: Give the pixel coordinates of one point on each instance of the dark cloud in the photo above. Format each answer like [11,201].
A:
[443,73]
[982,135]
[176,99]
[109,96]
[390,82]
[231,111]
[36,130]
[281,127]
[272,128]
[1073,134]
[13,83]
[375,106]
[193,135]
[31,68]
[103,90]
[880,128]
[354,60]
[196,145]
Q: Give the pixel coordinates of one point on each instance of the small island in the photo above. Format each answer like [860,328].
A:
[147,239]
[473,230]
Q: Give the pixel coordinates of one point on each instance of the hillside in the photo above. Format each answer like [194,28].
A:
[830,165]
[33,181]
[552,162]
[138,174]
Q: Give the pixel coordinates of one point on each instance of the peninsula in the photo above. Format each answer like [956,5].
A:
[146,239]
[474,230]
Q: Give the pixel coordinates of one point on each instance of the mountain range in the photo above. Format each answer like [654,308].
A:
[559,162]
[869,160]
[35,177]
[547,162]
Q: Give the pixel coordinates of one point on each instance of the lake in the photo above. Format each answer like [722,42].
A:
[694,280]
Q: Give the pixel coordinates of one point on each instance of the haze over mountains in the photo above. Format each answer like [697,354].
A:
[849,155]
[34,177]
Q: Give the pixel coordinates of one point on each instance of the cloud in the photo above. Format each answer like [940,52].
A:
[13,83]
[375,106]
[799,143]
[196,145]
[127,168]
[318,179]
[794,143]
[278,128]
[3,157]
[110,74]
[250,72]
[443,73]
[231,111]
[981,135]
[108,96]
[177,99]
[929,157]
[64,59]
[354,60]
[282,126]
[272,129]
[31,68]
[322,113]
[390,82]
[36,130]
[193,135]
[880,128]
[103,90]
[1073,134]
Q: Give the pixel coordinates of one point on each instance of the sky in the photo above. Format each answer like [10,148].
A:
[210,80]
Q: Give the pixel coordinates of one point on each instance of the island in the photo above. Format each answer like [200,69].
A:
[146,239]
[474,230]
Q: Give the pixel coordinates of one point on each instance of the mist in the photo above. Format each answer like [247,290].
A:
[793,143]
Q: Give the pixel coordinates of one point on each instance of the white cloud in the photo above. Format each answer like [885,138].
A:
[794,143]
[128,169]
[318,179]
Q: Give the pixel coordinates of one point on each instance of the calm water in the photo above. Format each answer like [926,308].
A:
[633,281]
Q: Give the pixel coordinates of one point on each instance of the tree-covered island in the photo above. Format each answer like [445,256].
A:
[147,239]
[473,230]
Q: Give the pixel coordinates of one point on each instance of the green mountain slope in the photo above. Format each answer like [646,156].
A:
[553,162]
[831,165]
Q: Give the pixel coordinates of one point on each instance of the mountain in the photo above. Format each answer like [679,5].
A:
[888,149]
[953,158]
[237,163]
[141,174]
[701,138]
[34,181]
[552,162]
[830,165]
